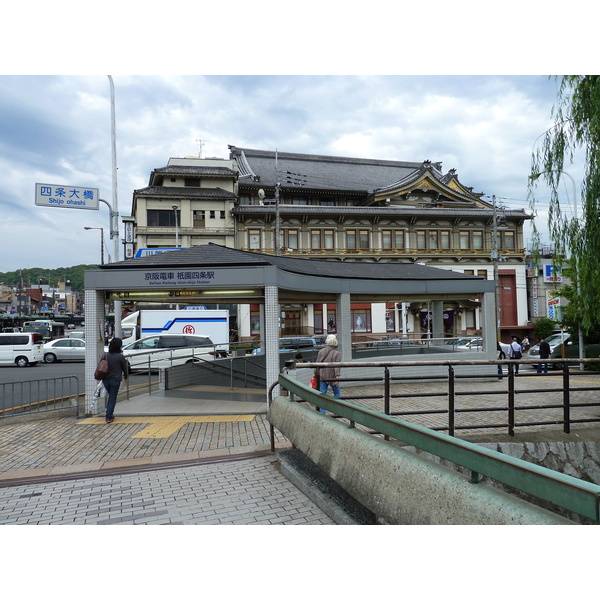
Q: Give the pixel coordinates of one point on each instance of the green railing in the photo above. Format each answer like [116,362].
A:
[562,490]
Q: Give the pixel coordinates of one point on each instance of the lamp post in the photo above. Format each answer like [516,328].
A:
[175,208]
[101,242]
[575,215]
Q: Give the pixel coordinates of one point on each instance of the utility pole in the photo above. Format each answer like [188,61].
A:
[277,218]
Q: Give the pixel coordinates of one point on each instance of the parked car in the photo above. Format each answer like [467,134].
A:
[554,340]
[166,350]
[386,342]
[64,349]
[475,344]
[569,348]
[21,348]
[292,344]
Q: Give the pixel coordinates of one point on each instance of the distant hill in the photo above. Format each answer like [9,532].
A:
[49,276]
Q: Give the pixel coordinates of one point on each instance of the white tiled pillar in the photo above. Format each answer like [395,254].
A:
[271,334]
[94,346]
[344,327]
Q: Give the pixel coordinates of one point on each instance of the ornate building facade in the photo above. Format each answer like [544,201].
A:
[341,209]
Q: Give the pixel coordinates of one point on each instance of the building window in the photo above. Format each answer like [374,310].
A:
[445,240]
[199,218]
[315,239]
[392,239]
[299,200]
[329,239]
[508,240]
[361,320]
[221,214]
[291,237]
[357,239]
[471,240]
[254,239]
[162,218]
[191,182]
[212,214]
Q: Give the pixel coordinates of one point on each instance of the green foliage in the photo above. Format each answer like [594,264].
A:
[49,276]
[576,129]
[544,328]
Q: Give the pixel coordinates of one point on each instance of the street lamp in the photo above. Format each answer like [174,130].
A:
[175,207]
[534,177]
[101,242]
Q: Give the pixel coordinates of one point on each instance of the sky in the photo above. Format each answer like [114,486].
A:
[55,126]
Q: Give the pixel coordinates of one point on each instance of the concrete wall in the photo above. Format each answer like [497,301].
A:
[400,487]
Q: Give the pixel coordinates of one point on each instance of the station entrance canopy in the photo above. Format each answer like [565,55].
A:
[216,274]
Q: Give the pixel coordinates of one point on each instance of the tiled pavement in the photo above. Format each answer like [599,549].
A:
[200,469]
[206,470]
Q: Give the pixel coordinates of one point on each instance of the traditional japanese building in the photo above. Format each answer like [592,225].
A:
[341,209]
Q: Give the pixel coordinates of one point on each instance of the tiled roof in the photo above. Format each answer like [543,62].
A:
[214,255]
[319,172]
[382,211]
[195,170]
[186,192]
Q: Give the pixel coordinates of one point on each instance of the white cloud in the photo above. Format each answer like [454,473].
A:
[57,130]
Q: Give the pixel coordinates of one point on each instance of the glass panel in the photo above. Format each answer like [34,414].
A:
[364,239]
[351,240]
[399,240]
[254,239]
[329,239]
[421,240]
[445,240]
[386,240]
[315,239]
[477,238]
[464,240]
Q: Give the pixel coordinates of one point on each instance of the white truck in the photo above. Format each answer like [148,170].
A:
[211,323]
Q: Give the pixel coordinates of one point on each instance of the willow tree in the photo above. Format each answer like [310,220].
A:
[575,133]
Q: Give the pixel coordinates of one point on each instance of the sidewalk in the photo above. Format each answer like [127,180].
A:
[147,470]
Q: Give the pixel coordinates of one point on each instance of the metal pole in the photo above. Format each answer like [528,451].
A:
[114,231]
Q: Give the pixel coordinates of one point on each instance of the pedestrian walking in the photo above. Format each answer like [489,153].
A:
[118,370]
[515,353]
[525,345]
[501,356]
[329,376]
[545,352]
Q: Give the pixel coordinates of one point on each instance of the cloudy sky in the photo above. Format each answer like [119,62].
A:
[56,128]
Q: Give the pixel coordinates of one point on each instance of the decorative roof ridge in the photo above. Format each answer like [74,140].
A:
[235,151]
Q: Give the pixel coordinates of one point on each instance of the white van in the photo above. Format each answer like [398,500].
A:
[21,349]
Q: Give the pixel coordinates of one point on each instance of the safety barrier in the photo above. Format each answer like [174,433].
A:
[38,396]
[562,490]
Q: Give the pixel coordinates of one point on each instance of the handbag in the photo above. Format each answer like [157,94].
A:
[102,369]
[313,382]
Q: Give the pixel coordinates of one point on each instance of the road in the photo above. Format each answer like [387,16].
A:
[33,384]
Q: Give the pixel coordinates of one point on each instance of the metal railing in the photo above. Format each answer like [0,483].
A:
[389,398]
[557,488]
[40,395]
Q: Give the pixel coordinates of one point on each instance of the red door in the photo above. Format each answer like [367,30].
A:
[507,289]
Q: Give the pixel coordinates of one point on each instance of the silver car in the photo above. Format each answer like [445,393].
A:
[166,350]
[64,349]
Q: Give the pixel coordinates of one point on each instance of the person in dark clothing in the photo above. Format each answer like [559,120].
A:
[118,369]
[501,356]
[545,352]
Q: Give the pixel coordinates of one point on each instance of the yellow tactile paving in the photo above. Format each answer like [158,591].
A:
[164,427]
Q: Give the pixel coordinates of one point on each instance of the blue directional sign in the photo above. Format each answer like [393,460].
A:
[66,196]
